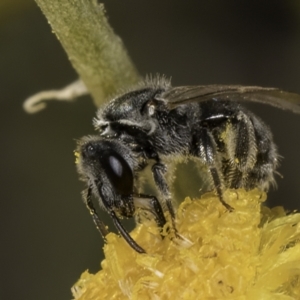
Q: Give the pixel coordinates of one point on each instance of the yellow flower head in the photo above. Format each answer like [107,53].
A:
[250,253]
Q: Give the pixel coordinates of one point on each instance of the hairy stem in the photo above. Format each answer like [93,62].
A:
[95,51]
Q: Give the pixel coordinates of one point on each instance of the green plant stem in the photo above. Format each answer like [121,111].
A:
[95,51]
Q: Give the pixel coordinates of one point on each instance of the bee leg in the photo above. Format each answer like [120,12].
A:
[158,170]
[204,147]
[242,151]
[152,205]
[252,154]
[124,233]
[90,206]
[215,174]
[101,226]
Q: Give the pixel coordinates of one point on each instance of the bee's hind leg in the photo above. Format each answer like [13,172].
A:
[158,171]
[205,148]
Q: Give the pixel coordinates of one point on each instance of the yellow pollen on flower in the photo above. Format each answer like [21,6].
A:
[252,253]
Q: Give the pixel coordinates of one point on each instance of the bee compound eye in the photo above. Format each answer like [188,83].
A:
[116,166]
[119,173]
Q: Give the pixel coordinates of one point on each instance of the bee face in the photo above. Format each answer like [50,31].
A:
[102,161]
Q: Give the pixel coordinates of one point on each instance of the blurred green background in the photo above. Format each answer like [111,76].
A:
[47,236]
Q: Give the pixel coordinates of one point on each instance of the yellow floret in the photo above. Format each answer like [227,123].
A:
[250,253]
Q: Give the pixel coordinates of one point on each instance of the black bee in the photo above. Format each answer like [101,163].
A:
[155,122]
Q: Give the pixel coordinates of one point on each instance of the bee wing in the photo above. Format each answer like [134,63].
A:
[188,94]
